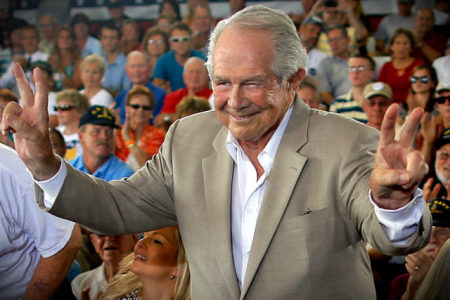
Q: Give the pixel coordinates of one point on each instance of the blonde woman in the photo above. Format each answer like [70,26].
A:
[157,269]
[92,71]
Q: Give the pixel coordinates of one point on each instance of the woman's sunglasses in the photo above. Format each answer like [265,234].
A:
[423,79]
[63,107]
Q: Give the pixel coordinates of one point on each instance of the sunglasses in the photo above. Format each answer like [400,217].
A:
[180,39]
[137,106]
[423,79]
[357,69]
[63,107]
[441,100]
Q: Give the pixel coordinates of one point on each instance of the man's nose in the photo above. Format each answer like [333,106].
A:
[235,97]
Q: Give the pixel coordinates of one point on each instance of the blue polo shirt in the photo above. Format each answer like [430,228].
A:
[116,79]
[167,68]
[112,169]
[158,92]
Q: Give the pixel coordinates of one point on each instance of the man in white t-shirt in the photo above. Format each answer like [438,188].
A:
[36,248]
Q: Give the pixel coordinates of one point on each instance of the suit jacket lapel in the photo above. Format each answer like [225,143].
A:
[283,177]
[217,176]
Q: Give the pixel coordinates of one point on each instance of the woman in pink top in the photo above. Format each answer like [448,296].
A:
[397,72]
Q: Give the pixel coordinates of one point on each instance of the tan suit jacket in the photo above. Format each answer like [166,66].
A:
[314,221]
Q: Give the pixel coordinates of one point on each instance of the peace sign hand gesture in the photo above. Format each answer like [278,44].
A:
[30,126]
[398,169]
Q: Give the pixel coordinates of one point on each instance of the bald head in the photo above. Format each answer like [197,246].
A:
[137,67]
[195,74]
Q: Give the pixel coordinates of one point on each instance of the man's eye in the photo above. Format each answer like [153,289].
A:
[157,241]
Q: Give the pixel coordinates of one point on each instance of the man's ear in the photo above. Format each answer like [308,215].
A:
[295,80]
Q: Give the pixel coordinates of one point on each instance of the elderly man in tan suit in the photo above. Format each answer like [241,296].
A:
[274,200]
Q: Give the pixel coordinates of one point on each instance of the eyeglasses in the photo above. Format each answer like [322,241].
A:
[441,100]
[63,107]
[423,79]
[357,69]
[137,106]
[156,42]
[176,39]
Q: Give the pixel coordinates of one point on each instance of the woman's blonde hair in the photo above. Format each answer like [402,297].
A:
[126,282]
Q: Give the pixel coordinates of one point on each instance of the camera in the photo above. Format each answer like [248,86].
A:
[331,3]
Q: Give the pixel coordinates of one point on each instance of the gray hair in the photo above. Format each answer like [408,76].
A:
[289,53]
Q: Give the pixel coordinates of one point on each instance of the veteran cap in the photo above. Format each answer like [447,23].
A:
[99,115]
[443,139]
[377,89]
[440,211]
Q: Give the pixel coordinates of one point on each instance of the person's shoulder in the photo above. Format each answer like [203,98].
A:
[205,123]
[157,91]
[120,165]
[84,279]
[198,53]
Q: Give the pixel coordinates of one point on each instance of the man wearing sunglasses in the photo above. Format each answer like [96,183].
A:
[168,72]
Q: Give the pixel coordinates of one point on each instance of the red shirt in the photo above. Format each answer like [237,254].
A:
[172,99]
[399,83]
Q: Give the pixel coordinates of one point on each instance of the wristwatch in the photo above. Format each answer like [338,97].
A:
[167,118]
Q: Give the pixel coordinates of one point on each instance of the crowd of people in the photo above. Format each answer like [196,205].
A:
[114,94]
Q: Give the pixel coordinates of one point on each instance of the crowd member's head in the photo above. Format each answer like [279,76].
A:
[401,43]
[180,36]
[130,35]
[405,7]
[443,100]
[377,98]
[190,105]
[309,31]
[113,248]
[47,73]
[30,39]
[236,5]
[96,132]
[110,38]
[424,20]
[442,163]
[361,69]
[164,22]
[58,143]
[66,41]
[170,8]
[339,41]
[155,42]
[70,106]
[48,26]
[308,92]
[423,82]
[202,19]
[264,42]
[195,74]
[332,15]
[137,67]
[80,24]
[139,106]
[440,210]
[92,70]
[158,264]
[116,9]
[15,35]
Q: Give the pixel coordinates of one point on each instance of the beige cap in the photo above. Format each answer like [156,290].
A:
[443,86]
[377,89]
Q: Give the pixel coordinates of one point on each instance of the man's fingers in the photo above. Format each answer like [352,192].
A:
[17,124]
[26,94]
[41,90]
[11,109]
[391,177]
[409,130]
[387,131]
[416,167]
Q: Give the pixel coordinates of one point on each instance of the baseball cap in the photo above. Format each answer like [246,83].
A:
[440,211]
[443,86]
[43,65]
[99,115]
[377,89]
[443,139]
